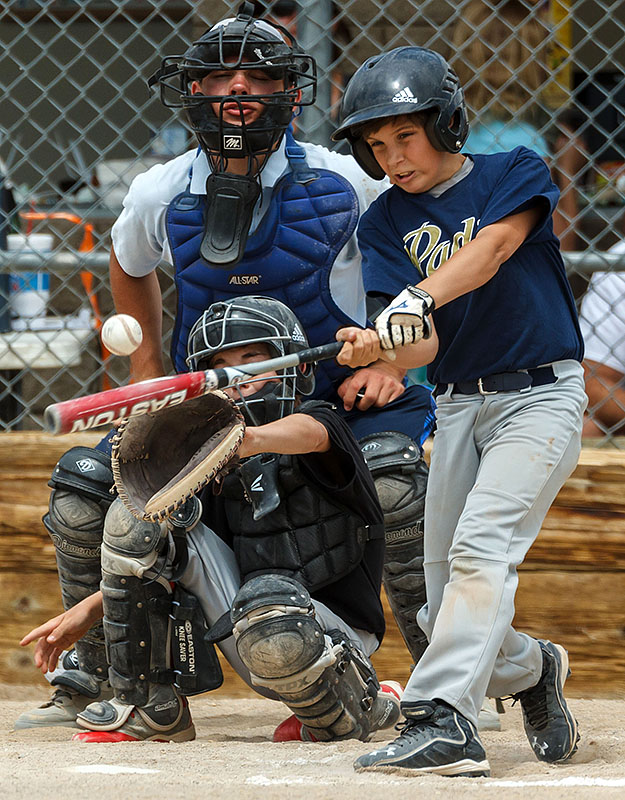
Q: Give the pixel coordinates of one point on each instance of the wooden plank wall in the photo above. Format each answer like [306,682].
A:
[572,585]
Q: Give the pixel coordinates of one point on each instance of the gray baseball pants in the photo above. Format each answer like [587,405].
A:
[498,462]
[212,575]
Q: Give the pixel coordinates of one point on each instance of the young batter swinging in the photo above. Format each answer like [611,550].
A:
[472,237]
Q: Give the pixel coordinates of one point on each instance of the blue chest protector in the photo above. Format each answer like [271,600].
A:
[311,216]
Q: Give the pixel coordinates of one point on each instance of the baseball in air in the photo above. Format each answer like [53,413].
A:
[121,334]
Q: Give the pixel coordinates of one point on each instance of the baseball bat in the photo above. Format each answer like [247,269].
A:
[113,405]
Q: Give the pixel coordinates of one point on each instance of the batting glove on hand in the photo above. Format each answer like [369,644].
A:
[405,320]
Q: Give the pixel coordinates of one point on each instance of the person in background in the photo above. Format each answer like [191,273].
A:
[602,320]
[498,55]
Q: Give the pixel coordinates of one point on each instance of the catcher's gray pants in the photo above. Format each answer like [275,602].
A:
[498,462]
[212,575]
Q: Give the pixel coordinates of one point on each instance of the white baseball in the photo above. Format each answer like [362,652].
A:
[121,334]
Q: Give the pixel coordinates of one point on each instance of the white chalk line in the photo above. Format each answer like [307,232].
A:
[263,780]
[570,781]
[111,769]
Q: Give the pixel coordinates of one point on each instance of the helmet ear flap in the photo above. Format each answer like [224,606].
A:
[365,158]
[447,133]
[433,132]
[305,380]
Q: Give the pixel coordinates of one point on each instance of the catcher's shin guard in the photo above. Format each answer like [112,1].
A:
[81,484]
[400,476]
[323,678]
[136,609]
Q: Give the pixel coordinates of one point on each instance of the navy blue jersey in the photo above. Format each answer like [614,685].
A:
[524,315]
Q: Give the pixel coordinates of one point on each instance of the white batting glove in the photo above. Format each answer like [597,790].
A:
[405,320]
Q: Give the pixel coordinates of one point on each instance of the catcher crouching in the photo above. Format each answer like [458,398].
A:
[250,519]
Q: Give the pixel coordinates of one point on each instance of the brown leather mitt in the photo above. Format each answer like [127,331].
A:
[161,459]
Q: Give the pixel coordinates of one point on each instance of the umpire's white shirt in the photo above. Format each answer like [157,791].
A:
[140,238]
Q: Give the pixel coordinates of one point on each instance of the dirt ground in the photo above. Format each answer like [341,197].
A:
[233,757]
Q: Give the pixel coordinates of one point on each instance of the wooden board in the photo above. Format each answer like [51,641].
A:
[572,584]
[582,611]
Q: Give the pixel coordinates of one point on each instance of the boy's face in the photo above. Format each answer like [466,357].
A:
[237,81]
[244,354]
[401,147]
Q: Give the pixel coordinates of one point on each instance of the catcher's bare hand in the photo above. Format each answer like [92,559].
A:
[62,631]
[405,321]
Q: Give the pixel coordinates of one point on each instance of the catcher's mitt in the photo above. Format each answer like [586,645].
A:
[161,459]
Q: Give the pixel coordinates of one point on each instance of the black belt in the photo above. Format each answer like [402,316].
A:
[502,382]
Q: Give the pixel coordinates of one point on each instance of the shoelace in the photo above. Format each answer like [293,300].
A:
[535,707]
[406,726]
[535,704]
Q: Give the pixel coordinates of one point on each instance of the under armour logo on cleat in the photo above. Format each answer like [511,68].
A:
[405,95]
[541,748]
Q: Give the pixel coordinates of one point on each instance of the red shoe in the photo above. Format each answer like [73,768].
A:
[292,730]
[392,687]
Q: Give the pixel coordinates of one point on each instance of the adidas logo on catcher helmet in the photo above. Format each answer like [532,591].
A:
[405,96]
[297,335]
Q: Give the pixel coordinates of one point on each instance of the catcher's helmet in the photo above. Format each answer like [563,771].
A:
[240,42]
[402,81]
[249,320]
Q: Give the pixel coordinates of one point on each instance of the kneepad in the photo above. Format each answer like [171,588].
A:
[130,546]
[400,475]
[81,484]
[86,471]
[324,679]
[277,636]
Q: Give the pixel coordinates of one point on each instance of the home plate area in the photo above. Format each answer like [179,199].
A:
[233,756]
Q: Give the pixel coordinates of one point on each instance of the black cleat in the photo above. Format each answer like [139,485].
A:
[435,738]
[549,724]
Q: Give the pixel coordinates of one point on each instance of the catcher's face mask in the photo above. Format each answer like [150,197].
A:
[253,329]
[282,78]
[239,85]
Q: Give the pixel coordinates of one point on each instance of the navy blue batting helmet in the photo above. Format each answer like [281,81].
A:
[402,81]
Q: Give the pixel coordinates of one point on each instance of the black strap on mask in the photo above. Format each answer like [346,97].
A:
[230,201]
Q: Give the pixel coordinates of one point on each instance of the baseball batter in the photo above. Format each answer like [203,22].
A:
[472,237]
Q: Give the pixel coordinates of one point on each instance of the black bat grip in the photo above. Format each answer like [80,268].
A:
[320,353]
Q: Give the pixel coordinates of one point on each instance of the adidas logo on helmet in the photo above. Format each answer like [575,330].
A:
[297,335]
[405,96]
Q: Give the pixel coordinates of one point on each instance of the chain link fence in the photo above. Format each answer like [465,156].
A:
[77,122]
